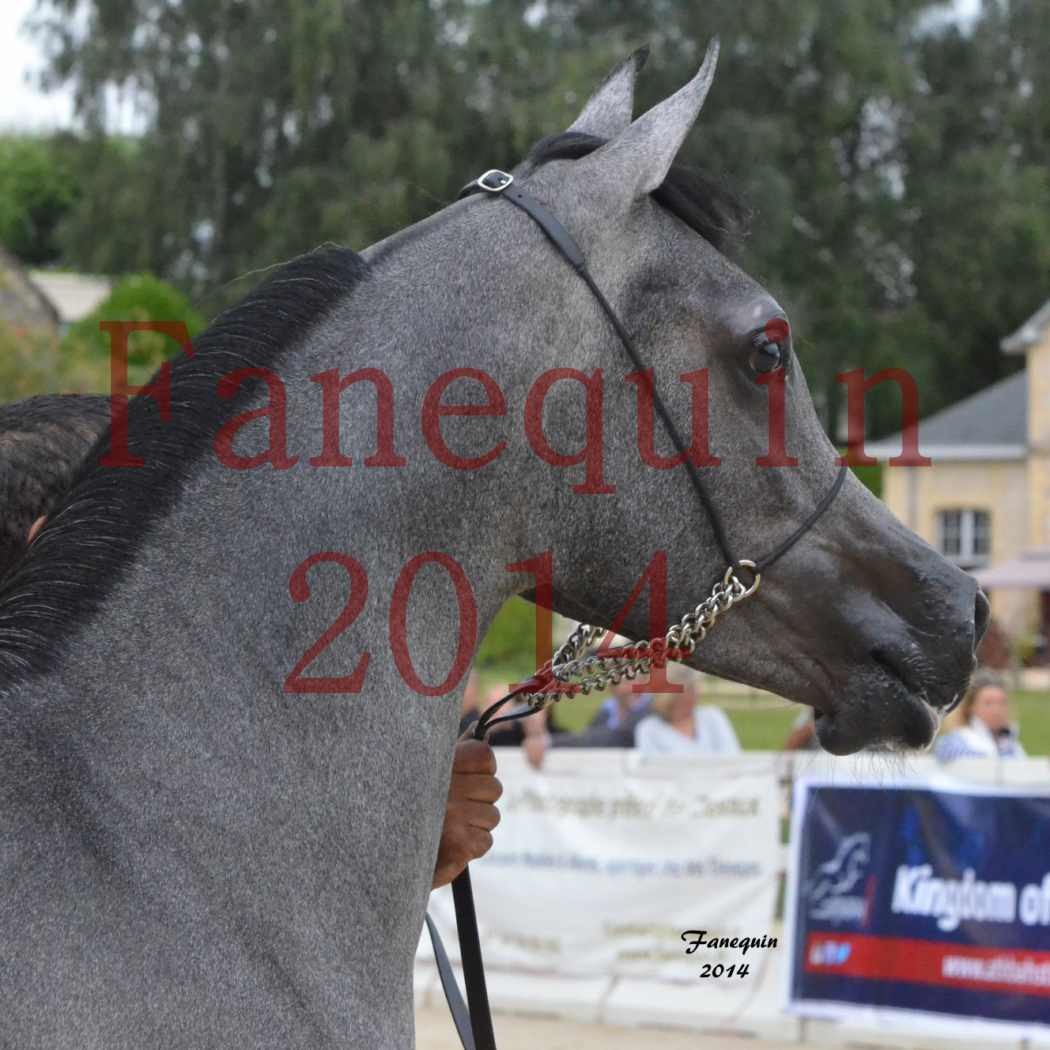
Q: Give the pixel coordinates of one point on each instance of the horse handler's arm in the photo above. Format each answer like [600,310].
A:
[471,813]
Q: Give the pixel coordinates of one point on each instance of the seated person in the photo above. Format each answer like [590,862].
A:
[980,725]
[677,726]
[613,724]
[624,708]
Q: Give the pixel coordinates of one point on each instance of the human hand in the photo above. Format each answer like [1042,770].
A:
[471,813]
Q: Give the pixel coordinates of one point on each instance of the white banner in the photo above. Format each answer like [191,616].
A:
[602,862]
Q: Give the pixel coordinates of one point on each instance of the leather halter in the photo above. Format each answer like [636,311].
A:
[503,184]
[479,1034]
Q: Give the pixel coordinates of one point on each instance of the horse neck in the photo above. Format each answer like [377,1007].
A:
[176,694]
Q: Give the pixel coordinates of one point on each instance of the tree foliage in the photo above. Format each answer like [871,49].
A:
[138,298]
[895,159]
[37,190]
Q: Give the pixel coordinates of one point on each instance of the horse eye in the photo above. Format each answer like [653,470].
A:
[767,354]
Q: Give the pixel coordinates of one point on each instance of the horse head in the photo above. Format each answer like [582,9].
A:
[860,619]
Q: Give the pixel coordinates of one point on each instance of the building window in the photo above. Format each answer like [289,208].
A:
[966,537]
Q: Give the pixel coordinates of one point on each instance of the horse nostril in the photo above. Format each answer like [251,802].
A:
[982,612]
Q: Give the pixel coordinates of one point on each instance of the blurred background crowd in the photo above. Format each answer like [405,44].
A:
[684,721]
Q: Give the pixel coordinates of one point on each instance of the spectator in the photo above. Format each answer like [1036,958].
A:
[803,735]
[981,725]
[613,725]
[678,726]
[624,707]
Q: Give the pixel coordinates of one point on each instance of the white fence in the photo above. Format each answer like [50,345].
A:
[574,924]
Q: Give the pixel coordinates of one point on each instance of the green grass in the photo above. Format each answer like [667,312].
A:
[1032,710]
[575,714]
[761,729]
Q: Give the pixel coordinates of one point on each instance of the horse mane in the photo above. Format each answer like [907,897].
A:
[703,203]
[91,538]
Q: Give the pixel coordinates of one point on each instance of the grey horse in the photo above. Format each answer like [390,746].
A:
[229,674]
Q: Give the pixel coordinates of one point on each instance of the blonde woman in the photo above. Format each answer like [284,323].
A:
[678,726]
[981,725]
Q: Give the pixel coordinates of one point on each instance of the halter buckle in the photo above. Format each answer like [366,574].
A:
[731,577]
[494,180]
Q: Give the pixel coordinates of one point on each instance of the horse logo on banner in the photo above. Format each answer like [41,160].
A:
[828,891]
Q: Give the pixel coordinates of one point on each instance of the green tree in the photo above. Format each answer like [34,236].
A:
[978,161]
[270,126]
[895,161]
[107,230]
[37,189]
[139,298]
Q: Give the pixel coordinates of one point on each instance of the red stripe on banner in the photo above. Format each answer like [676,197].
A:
[929,962]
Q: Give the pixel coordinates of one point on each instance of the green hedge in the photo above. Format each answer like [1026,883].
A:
[139,298]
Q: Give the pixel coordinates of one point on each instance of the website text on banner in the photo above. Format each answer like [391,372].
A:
[935,901]
[602,873]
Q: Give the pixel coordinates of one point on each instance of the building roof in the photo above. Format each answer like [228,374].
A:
[73,295]
[1030,333]
[991,424]
[22,303]
[1029,571]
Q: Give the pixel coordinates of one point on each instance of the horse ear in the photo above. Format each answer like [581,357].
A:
[610,108]
[637,160]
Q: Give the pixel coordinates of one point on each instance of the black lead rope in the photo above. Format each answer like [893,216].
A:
[481,1035]
[460,1014]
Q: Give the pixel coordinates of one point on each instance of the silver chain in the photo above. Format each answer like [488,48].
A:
[583,673]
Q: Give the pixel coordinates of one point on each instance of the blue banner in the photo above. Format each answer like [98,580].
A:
[909,898]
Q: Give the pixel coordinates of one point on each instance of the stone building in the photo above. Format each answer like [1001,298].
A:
[24,307]
[985,501]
